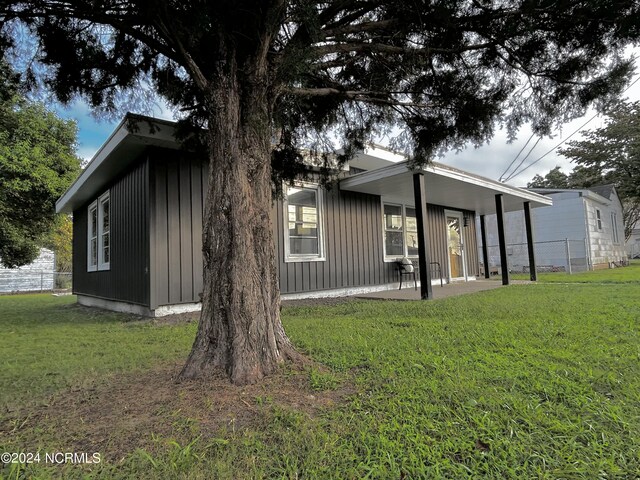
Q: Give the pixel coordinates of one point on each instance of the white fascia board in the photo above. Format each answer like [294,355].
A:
[118,135]
[595,197]
[161,136]
[373,175]
[384,153]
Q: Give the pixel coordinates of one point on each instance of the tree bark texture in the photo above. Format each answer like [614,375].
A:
[240,328]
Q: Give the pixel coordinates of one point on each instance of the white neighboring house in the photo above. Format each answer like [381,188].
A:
[590,219]
[36,276]
[633,244]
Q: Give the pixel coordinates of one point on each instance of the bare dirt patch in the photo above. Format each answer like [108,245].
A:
[123,413]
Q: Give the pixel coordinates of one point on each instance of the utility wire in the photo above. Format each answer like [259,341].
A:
[522,161]
[516,172]
[516,157]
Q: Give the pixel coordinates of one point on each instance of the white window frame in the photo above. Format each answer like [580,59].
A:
[405,248]
[97,205]
[91,266]
[598,219]
[102,265]
[292,257]
[614,228]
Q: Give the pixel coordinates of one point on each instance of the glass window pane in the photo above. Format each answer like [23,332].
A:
[105,216]
[94,251]
[302,212]
[412,243]
[412,222]
[303,246]
[94,222]
[393,217]
[302,196]
[411,228]
[393,243]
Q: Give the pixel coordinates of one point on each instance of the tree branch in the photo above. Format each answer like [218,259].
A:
[124,22]
[359,95]
[392,49]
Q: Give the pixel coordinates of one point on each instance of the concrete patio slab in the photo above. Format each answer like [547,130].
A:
[448,290]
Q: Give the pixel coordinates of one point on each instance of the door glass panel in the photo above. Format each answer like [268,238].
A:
[455,246]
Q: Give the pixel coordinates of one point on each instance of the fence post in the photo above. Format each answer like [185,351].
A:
[566,240]
[41,281]
[587,257]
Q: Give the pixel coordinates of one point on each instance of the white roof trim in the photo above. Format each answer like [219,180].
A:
[586,193]
[467,177]
[458,189]
[105,165]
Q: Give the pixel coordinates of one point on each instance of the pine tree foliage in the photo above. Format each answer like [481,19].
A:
[443,71]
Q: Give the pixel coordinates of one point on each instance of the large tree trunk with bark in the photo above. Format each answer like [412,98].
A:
[240,329]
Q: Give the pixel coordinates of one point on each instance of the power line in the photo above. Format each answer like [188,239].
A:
[516,157]
[522,161]
[516,172]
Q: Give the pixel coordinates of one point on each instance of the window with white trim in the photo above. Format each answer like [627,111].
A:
[104,219]
[92,237]
[598,219]
[614,227]
[400,231]
[303,232]
[99,234]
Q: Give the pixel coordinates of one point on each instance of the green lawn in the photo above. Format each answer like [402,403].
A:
[613,275]
[526,381]
[48,343]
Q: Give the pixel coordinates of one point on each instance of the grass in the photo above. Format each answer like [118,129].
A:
[613,275]
[49,343]
[520,382]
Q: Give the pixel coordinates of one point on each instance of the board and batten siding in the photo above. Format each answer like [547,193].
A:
[156,238]
[127,279]
[178,190]
[353,245]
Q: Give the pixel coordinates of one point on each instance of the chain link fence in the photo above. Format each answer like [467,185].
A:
[13,281]
[633,251]
[567,256]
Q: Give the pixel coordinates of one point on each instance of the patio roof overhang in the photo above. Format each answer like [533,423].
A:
[445,186]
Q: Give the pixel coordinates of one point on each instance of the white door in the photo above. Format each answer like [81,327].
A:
[455,245]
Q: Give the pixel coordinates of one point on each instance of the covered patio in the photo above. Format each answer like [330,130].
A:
[438,184]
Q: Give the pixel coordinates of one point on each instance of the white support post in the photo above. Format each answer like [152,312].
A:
[566,240]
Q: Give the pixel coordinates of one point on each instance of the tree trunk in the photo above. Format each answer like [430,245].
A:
[240,328]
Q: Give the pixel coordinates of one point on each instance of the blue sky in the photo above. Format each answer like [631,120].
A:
[490,160]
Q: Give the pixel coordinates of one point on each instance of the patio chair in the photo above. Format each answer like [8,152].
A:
[405,267]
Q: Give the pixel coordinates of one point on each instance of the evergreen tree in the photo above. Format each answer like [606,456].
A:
[300,71]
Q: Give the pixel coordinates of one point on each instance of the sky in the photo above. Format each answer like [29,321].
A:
[490,160]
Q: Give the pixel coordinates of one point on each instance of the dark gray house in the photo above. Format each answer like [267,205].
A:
[137,238]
